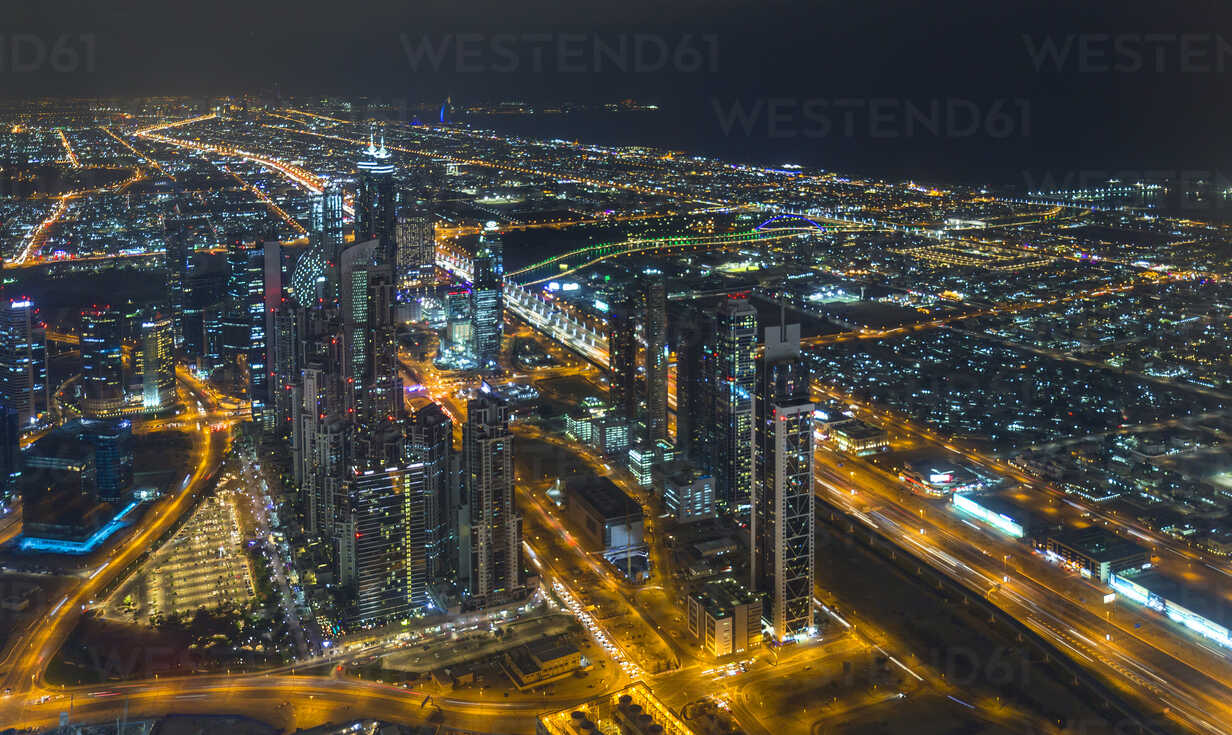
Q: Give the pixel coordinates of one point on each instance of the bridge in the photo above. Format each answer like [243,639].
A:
[576,260]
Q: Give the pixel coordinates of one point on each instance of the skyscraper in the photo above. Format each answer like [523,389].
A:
[416,249]
[491,528]
[431,437]
[695,429]
[735,374]
[782,521]
[654,328]
[622,361]
[23,361]
[156,361]
[384,551]
[176,262]
[102,366]
[375,205]
[488,300]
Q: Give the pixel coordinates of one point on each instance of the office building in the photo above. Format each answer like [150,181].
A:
[112,440]
[431,438]
[375,207]
[416,266]
[622,362]
[654,328]
[23,361]
[782,523]
[725,617]
[490,525]
[688,494]
[487,301]
[102,365]
[177,256]
[155,360]
[384,549]
[733,381]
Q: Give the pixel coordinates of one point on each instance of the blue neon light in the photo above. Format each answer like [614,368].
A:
[59,546]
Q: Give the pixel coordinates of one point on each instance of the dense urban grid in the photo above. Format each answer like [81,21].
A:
[317,417]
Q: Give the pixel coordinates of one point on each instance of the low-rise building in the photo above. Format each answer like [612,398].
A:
[725,617]
[542,661]
[1097,552]
[856,437]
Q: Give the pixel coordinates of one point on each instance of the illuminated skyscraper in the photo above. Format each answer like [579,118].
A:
[102,366]
[622,361]
[488,300]
[23,361]
[384,550]
[375,205]
[489,523]
[654,328]
[782,521]
[416,265]
[177,256]
[431,438]
[735,375]
[156,362]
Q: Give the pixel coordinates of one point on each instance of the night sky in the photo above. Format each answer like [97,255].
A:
[1102,111]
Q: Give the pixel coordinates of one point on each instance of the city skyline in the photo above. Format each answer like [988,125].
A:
[844,370]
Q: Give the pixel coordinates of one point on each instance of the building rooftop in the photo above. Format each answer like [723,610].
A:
[719,596]
[603,496]
[857,429]
[1098,543]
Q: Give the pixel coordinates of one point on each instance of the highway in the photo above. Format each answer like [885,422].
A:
[1192,686]
[25,661]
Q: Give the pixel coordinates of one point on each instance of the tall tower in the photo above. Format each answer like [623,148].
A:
[176,257]
[695,428]
[102,366]
[23,361]
[157,358]
[654,328]
[782,521]
[384,547]
[492,527]
[735,375]
[431,438]
[488,300]
[622,361]
[375,205]
[416,265]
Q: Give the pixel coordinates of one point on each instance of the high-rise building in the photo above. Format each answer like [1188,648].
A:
[112,440]
[176,260]
[384,550]
[10,453]
[735,375]
[431,438]
[622,362]
[156,361]
[416,266]
[489,523]
[782,521]
[654,329]
[695,429]
[375,207]
[102,365]
[23,361]
[488,300]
